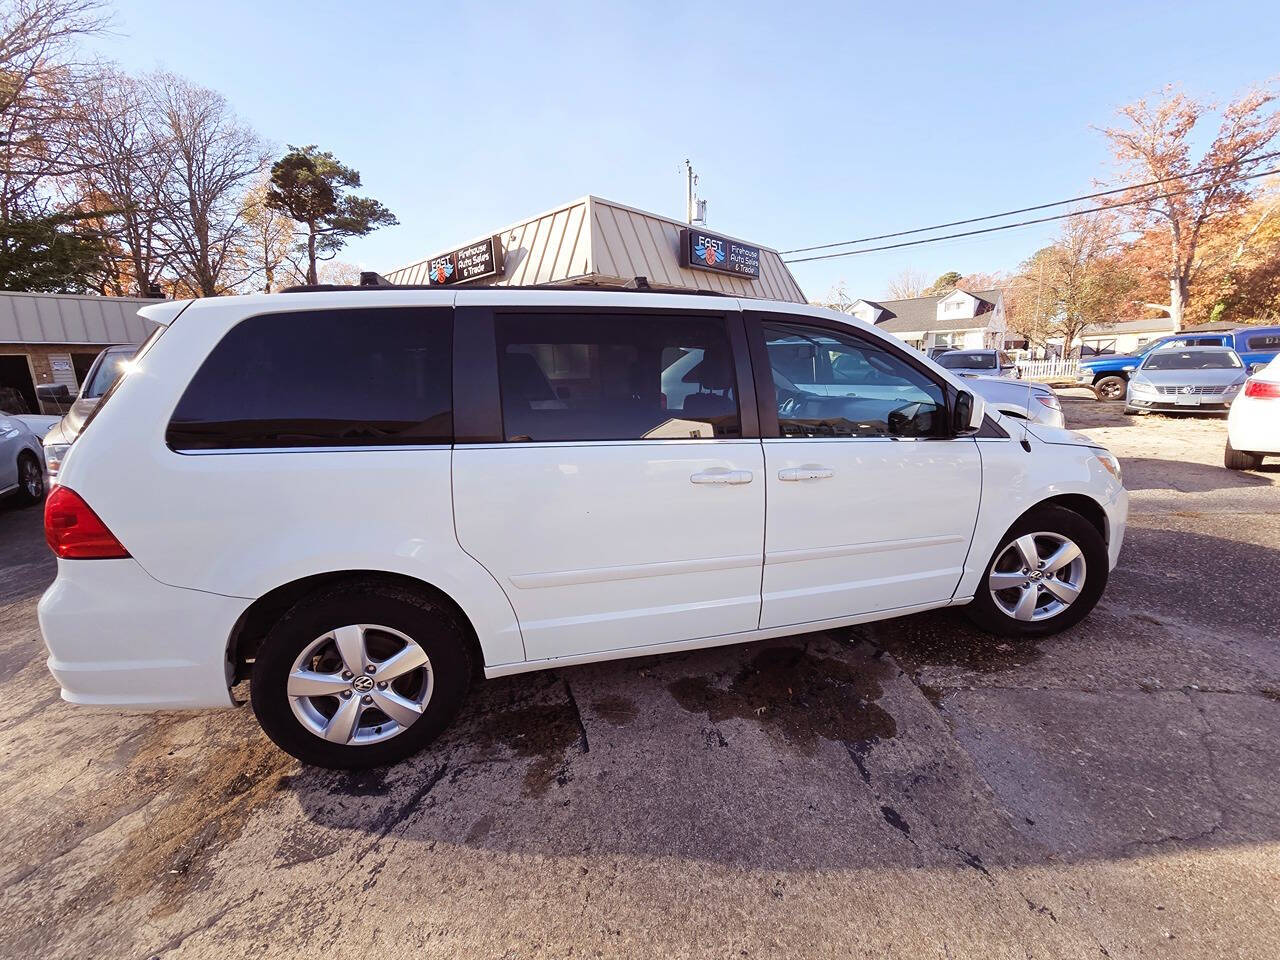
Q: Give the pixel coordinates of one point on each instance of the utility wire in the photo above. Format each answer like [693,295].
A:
[1020,223]
[1039,206]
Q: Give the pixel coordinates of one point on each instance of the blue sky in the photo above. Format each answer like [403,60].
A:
[807,123]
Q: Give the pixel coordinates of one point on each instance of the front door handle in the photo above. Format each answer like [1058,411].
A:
[720,475]
[807,472]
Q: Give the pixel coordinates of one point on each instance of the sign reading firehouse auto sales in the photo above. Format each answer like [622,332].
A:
[472,262]
[706,251]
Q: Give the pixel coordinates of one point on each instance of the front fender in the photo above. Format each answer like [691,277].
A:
[1015,480]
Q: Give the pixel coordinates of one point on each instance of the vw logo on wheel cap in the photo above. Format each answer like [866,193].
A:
[363,684]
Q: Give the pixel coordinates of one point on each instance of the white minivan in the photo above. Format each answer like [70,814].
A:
[362,499]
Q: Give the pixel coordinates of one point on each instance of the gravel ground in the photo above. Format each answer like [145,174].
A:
[905,789]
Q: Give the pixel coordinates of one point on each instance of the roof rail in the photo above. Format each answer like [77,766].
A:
[638,285]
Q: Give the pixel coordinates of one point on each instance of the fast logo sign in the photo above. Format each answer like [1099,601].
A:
[710,250]
[706,251]
[441,269]
[474,262]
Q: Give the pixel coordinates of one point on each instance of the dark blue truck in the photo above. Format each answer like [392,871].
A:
[1109,375]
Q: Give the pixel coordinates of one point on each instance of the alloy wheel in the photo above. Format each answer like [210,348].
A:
[1037,576]
[360,684]
[32,481]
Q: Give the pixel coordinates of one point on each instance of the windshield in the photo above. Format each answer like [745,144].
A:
[107,373]
[1191,360]
[967,361]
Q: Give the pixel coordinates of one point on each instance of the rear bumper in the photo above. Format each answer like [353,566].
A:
[118,637]
[1254,426]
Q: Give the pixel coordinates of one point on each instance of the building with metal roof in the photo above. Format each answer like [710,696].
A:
[602,242]
[53,338]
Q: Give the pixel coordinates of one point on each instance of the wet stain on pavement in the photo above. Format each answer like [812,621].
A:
[303,844]
[943,639]
[542,732]
[894,819]
[616,710]
[804,696]
[480,829]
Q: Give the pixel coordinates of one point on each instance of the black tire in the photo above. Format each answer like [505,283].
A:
[1234,459]
[430,624]
[985,613]
[1110,388]
[1130,411]
[30,479]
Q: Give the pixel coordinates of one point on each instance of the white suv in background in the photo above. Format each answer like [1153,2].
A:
[360,499]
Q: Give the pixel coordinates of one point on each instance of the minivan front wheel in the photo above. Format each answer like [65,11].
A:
[1045,576]
[360,676]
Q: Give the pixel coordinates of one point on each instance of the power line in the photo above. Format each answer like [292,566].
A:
[1039,206]
[1020,223]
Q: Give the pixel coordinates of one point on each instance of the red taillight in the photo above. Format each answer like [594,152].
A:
[1262,388]
[75,532]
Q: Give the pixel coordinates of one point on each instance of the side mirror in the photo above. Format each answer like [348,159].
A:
[56,392]
[1255,367]
[968,413]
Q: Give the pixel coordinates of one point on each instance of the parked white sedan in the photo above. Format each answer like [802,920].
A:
[1253,426]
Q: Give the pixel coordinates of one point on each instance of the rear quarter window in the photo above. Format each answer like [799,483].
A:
[1263,341]
[323,378]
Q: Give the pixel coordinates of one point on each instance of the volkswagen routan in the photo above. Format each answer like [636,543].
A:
[363,501]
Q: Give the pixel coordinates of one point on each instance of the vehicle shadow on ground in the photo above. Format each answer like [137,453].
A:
[1151,473]
[916,742]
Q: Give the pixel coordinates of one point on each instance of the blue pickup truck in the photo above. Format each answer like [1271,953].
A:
[1109,375]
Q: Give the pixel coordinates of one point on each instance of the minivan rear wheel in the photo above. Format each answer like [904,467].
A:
[1234,459]
[361,675]
[1045,576]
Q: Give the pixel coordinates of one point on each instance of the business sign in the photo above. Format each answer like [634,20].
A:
[473,262]
[705,251]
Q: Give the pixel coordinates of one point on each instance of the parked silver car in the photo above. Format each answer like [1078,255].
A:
[1024,400]
[1190,378]
[987,363]
[21,457]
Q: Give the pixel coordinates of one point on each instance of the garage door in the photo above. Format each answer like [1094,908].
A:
[15,378]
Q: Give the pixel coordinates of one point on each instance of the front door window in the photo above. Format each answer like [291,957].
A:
[831,384]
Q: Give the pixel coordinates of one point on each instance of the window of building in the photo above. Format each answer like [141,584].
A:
[1098,347]
[622,377]
[331,378]
[848,387]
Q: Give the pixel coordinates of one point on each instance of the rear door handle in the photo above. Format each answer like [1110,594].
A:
[720,475]
[806,473]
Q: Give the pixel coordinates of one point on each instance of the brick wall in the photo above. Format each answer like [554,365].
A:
[40,356]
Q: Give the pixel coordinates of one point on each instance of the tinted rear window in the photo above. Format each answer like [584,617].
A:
[968,361]
[366,377]
[1263,341]
[1192,360]
[114,363]
[616,377]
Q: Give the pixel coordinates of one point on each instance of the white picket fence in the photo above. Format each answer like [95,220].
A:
[1058,369]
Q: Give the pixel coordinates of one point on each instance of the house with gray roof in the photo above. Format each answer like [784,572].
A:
[960,319]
